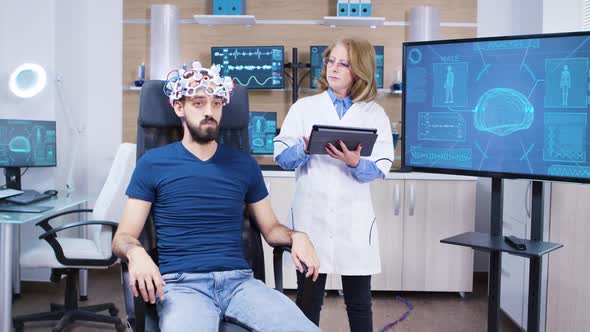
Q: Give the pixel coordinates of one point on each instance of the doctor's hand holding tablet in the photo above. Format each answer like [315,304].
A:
[347,144]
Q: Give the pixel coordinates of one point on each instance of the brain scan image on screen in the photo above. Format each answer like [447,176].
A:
[509,105]
[27,143]
[503,112]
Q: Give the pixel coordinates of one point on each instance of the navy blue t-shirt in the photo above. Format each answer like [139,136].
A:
[197,205]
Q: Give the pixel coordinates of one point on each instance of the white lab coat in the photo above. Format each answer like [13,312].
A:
[330,205]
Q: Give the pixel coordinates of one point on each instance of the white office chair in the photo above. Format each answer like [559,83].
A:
[67,255]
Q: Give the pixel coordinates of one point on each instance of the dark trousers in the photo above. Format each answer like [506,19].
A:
[357,297]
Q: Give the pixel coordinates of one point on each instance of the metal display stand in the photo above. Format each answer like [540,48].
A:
[494,243]
[295,82]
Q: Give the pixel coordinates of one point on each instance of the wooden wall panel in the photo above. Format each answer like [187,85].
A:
[196,41]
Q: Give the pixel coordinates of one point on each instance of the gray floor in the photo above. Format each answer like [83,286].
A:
[432,311]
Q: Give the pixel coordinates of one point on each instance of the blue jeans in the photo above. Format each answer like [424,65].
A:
[198,301]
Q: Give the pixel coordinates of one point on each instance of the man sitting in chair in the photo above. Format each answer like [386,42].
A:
[195,190]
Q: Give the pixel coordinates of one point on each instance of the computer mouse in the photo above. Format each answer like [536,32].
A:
[51,192]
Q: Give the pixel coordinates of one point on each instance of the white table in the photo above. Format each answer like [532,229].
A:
[10,249]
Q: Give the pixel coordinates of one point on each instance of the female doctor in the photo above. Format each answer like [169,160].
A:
[332,202]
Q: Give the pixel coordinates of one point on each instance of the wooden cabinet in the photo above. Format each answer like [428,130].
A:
[413,213]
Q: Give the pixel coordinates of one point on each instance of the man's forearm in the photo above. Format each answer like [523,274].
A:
[280,235]
[123,244]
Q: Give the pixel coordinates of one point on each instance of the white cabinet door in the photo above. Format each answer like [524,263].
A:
[569,267]
[388,204]
[281,191]
[435,210]
[516,219]
[512,298]
[515,216]
[517,203]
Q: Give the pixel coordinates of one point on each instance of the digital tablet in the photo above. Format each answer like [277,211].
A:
[321,135]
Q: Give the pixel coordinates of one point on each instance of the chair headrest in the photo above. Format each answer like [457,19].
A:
[156,111]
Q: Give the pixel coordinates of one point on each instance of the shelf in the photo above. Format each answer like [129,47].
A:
[132,88]
[328,20]
[397,92]
[368,21]
[225,19]
[486,242]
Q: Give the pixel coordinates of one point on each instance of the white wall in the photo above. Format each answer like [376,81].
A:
[509,17]
[80,42]
[89,51]
[26,35]
[563,15]
[105,96]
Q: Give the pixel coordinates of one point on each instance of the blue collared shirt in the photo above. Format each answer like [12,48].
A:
[341,105]
[295,155]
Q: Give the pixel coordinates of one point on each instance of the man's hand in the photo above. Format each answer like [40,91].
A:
[303,251]
[144,275]
[351,158]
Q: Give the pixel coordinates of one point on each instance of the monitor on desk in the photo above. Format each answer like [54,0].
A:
[26,143]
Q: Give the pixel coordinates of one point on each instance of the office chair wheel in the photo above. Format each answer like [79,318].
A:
[120,327]
[113,312]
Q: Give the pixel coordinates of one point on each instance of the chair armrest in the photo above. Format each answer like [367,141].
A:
[277,264]
[51,238]
[45,222]
[53,231]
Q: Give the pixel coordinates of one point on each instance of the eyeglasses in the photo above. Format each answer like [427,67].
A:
[340,65]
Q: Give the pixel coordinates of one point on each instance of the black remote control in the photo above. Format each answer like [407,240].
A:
[515,242]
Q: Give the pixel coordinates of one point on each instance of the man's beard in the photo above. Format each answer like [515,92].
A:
[205,135]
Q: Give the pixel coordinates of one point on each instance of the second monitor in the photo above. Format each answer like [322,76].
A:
[255,67]
[316,59]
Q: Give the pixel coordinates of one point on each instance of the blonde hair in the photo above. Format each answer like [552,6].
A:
[362,67]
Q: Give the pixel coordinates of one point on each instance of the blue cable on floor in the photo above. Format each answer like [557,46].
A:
[404,316]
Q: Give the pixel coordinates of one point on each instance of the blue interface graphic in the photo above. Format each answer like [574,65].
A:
[262,129]
[316,55]
[255,67]
[517,106]
[27,143]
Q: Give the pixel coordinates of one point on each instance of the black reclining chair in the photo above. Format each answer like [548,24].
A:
[158,125]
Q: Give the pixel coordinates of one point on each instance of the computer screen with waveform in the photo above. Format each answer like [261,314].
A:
[255,67]
[316,61]
[511,107]
[27,143]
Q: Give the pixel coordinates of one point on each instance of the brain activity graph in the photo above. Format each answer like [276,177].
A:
[255,67]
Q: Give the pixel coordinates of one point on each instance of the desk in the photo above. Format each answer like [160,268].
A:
[10,249]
